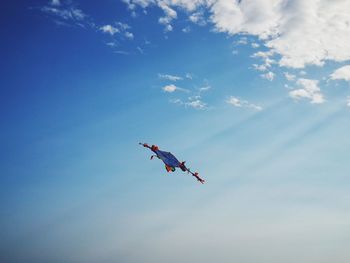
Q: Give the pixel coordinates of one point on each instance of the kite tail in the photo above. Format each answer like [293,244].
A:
[184,168]
[197,176]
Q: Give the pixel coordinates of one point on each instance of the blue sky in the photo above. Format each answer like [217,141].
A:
[254,95]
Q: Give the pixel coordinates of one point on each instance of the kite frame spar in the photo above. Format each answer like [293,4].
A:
[170,161]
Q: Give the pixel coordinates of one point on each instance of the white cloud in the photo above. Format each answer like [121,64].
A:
[143,3]
[242,103]
[170,14]
[130,5]
[300,32]
[204,88]
[269,76]
[234,101]
[169,77]
[261,67]
[265,56]
[341,73]
[242,41]
[188,76]
[193,102]
[129,35]
[112,44]
[255,45]
[109,29]
[55,2]
[168,28]
[121,52]
[197,104]
[289,77]
[348,102]
[309,90]
[117,27]
[319,27]
[186,29]
[172,88]
[198,18]
[123,26]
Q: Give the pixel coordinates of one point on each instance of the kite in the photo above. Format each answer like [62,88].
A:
[170,161]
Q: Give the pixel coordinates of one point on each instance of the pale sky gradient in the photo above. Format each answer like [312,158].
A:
[254,95]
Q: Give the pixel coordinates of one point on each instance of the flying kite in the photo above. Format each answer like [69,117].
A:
[170,161]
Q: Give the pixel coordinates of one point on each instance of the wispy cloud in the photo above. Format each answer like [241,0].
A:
[121,52]
[192,102]
[189,76]
[260,67]
[117,28]
[112,44]
[140,50]
[198,18]
[265,56]
[241,41]
[309,90]
[204,88]
[193,99]
[186,29]
[269,76]
[237,102]
[289,77]
[72,13]
[66,13]
[169,77]
[196,104]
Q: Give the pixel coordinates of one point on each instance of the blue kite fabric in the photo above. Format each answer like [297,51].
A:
[168,158]
[170,161]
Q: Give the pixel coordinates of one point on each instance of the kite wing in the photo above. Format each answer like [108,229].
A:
[168,158]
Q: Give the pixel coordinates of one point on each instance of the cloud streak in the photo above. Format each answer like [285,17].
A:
[66,13]
[194,102]
[169,77]
[237,102]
